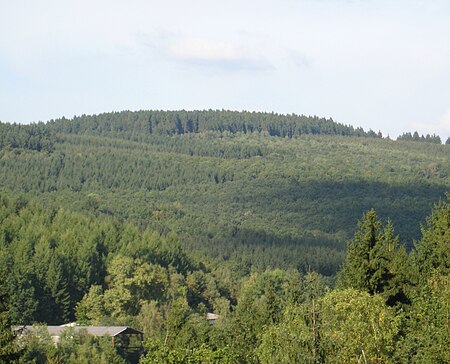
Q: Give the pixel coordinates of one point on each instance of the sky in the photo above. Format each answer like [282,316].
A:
[380,64]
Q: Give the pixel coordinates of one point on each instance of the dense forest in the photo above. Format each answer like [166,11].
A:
[314,241]
[384,306]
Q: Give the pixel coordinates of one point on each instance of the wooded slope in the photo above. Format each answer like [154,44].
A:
[262,189]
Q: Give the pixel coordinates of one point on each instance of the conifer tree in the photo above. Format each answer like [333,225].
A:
[432,252]
[374,262]
[357,271]
[9,351]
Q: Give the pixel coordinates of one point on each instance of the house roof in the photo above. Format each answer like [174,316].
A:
[211,316]
[91,330]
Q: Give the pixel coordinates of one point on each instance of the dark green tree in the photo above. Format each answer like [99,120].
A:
[374,261]
[9,350]
[57,286]
[432,251]
[358,268]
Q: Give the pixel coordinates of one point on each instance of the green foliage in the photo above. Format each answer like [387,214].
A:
[427,332]
[274,316]
[38,346]
[344,326]
[151,320]
[200,355]
[296,337]
[33,137]
[142,124]
[262,190]
[358,268]
[432,251]
[374,262]
[435,139]
[50,259]
[357,327]
[83,348]
[9,350]
[290,341]
[153,219]
[72,348]
[428,329]
[262,300]
[132,282]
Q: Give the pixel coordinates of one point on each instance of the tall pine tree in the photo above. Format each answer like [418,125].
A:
[374,261]
[432,252]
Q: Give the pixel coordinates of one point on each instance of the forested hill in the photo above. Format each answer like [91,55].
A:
[256,189]
[136,125]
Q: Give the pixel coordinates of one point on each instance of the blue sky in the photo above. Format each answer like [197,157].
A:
[378,64]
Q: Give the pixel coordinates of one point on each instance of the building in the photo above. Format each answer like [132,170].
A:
[211,317]
[121,336]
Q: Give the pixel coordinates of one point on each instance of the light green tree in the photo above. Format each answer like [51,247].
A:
[427,334]
[292,340]
[357,328]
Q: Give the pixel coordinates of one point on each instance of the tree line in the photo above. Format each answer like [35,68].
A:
[136,125]
[435,139]
[34,137]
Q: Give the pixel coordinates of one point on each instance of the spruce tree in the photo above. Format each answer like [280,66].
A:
[374,261]
[357,271]
[432,252]
[9,350]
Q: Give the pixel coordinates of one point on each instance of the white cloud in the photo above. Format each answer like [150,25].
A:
[203,49]
[365,62]
[207,52]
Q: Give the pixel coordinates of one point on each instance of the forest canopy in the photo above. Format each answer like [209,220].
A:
[387,305]
[298,232]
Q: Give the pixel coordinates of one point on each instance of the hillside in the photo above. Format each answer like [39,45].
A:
[259,190]
[284,226]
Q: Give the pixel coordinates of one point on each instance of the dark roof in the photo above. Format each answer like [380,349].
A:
[91,330]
